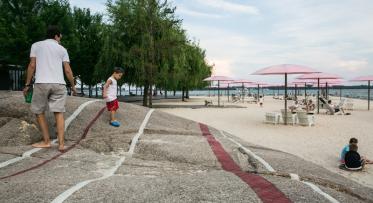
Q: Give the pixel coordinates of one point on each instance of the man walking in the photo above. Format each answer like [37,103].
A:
[46,60]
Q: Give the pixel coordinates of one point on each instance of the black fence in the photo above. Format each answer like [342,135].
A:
[12,77]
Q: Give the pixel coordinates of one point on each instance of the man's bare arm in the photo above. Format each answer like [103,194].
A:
[69,75]
[30,70]
[30,73]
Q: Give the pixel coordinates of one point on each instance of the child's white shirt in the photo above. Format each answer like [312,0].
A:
[112,90]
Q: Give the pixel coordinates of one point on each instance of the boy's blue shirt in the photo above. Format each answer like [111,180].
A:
[344,151]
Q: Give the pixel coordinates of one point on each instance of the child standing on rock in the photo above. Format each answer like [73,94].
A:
[110,95]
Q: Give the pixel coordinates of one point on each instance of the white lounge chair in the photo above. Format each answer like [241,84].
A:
[291,118]
[305,119]
[272,117]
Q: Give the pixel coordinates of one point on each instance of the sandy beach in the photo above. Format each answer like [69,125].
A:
[320,144]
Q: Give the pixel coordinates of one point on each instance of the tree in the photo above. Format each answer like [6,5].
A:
[20,26]
[142,36]
[88,34]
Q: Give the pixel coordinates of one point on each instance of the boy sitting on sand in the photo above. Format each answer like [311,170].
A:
[352,158]
[353,141]
[353,161]
[110,95]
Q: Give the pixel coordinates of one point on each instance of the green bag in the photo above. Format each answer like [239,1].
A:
[28,96]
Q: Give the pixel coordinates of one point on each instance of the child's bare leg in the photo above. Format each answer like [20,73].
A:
[112,115]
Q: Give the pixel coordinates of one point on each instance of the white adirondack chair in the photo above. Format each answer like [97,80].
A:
[291,118]
[305,119]
[272,117]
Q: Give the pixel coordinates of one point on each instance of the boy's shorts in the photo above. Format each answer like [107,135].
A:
[48,95]
[113,105]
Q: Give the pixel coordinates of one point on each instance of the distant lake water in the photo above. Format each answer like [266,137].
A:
[351,93]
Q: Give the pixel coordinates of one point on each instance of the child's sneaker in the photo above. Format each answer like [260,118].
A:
[115,123]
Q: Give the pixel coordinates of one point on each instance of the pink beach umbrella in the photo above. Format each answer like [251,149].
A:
[285,69]
[317,77]
[218,78]
[365,78]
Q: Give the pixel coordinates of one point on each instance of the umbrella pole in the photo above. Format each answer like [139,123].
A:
[368,95]
[258,93]
[327,91]
[243,94]
[286,98]
[318,95]
[228,92]
[340,92]
[296,91]
[305,91]
[218,92]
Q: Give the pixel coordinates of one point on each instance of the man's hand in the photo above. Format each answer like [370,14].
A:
[30,73]
[25,90]
[74,92]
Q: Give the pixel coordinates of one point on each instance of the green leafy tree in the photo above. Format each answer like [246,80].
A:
[88,33]
[20,26]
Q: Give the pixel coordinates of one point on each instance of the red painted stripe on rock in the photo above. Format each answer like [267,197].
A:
[265,190]
[60,154]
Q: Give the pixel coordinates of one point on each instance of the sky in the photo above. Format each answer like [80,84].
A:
[242,36]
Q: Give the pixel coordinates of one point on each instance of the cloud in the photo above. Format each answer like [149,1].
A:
[353,65]
[230,7]
[238,55]
[96,6]
[197,14]
[221,67]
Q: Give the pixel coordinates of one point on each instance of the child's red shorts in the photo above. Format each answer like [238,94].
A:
[113,105]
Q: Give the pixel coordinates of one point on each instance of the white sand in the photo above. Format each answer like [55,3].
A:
[320,144]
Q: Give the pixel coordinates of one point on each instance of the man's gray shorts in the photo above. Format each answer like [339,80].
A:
[48,95]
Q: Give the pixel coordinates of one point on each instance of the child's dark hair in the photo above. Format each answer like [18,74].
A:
[52,31]
[353,147]
[353,140]
[118,70]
